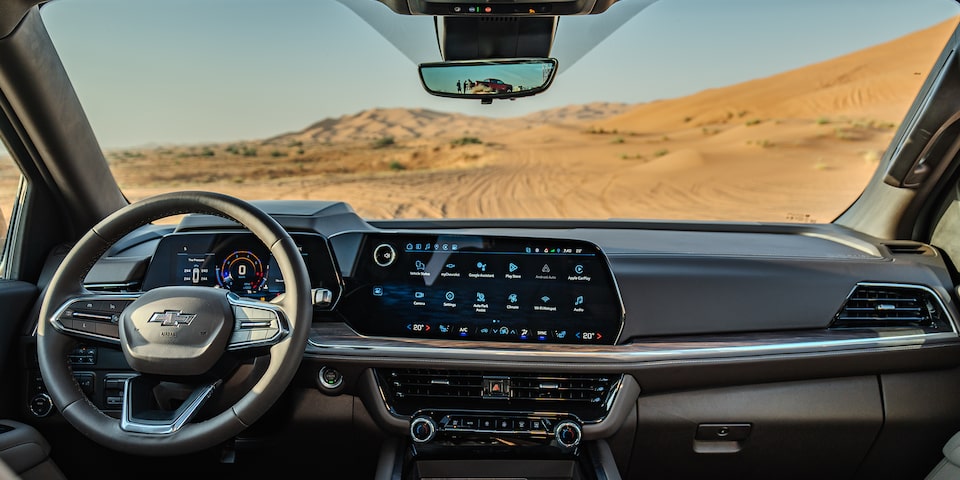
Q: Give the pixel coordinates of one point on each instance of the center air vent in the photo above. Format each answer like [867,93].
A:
[586,395]
[901,306]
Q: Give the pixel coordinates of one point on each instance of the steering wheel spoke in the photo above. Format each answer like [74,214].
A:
[93,317]
[256,324]
[154,407]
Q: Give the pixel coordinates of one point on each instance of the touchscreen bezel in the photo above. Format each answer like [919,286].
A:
[406,318]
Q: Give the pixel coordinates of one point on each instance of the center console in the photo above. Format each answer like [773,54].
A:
[487,290]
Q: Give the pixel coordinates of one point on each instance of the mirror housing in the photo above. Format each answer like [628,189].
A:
[521,8]
[488,79]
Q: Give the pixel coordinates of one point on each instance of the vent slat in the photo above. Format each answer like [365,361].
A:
[408,391]
[880,306]
[440,384]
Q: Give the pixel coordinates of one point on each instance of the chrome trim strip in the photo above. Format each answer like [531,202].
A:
[346,341]
[619,353]
[95,286]
[185,413]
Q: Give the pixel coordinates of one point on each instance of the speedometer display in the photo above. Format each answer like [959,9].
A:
[235,261]
[242,272]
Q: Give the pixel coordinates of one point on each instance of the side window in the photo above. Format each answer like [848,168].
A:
[9,189]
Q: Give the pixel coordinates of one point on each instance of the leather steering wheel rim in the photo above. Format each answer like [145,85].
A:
[67,284]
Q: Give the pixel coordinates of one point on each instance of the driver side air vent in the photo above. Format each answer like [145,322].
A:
[902,306]
[407,390]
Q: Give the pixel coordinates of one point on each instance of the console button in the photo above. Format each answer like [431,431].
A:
[487,423]
[41,405]
[384,255]
[470,423]
[505,425]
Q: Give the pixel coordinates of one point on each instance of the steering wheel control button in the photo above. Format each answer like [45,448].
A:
[83,355]
[330,379]
[422,429]
[86,381]
[94,317]
[568,434]
[40,405]
[384,255]
[253,325]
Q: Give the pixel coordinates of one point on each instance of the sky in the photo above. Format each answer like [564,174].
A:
[191,71]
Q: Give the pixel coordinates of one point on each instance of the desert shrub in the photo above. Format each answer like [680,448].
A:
[384,142]
[467,141]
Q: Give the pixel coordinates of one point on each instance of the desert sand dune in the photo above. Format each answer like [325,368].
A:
[798,147]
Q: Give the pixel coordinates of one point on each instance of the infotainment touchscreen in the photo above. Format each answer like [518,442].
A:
[488,288]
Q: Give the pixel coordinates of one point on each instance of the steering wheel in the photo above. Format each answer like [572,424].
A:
[177,339]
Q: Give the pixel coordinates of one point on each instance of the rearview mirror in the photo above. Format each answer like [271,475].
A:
[488,79]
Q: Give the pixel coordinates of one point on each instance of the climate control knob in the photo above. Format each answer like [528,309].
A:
[568,434]
[423,429]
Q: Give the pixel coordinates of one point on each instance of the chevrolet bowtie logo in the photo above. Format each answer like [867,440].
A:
[172,318]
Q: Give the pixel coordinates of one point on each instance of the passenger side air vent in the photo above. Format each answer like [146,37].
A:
[586,395]
[882,306]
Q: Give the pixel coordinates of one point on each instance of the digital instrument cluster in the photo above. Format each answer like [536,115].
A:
[237,262]
[482,288]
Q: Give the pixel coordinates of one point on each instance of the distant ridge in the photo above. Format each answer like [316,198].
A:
[878,82]
[413,123]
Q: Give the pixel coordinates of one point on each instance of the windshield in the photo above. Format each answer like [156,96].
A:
[743,110]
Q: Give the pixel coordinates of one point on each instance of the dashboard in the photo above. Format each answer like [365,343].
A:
[459,335]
